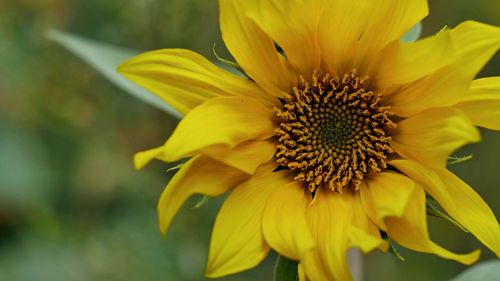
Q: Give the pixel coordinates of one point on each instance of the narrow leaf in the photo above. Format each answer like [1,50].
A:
[105,58]
[457,160]
[485,271]
[231,66]
[395,252]
[176,167]
[413,34]
[434,211]
[392,248]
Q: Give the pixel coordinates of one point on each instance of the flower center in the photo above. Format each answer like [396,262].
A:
[333,131]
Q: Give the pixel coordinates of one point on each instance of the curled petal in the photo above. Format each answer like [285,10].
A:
[225,122]
[364,233]
[474,45]
[237,241]
[253,49]
[246,156]
[386,195]
[401,63]
[482,104]
[185,79]
[329,219]
[284,222]
[388,21]
[410,230]
[200,175]
[293,25]
[458,199]
[431,136]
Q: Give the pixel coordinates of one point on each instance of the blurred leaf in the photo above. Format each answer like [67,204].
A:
[26,177]
[285,269]
[485,271]
[105,58]
[413,34]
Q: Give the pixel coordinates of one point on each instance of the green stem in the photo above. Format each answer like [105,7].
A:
[285,269]
[356,264]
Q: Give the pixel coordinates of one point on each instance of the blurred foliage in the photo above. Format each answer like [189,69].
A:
[485,271]
[71,205]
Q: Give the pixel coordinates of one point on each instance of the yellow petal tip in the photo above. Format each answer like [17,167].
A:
[142,158]
[123,67]
[214,271]
[472,257]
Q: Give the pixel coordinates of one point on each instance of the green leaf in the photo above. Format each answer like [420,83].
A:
[394,251]
[228,65]
[434,211]
[285,269]
[392,248]
[485,271]
[413,34]
[105,58]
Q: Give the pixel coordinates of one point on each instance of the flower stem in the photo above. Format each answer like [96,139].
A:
[355,258]
[285,269]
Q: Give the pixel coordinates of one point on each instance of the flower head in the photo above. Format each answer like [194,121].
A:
[335,136]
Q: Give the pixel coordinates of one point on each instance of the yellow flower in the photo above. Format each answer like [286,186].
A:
[336,136]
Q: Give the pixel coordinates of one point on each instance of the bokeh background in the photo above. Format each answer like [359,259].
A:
[71,205]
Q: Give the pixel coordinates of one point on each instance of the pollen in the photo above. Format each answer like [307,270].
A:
[332,131]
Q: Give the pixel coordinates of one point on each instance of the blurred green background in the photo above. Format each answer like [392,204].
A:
[71,205]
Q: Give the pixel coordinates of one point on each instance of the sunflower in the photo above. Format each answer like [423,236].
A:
[334,136]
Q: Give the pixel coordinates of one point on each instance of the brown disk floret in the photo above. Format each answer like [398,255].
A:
[333,131]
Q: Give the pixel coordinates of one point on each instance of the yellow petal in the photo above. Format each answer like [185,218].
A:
[253,49]
[329,219]
[340,27]
[411,231]
[284,222]
[224,122]
[366,242]
[386,195]
[301,273]
[401,63]
[474,45]
[246,156]
[488,84]
[293,25]
[364,234]
[482,104]
[200,175]
[185,79]
[237,242]
[388,21]
[144,157]
[458,199]
[314,267]
[431,136]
